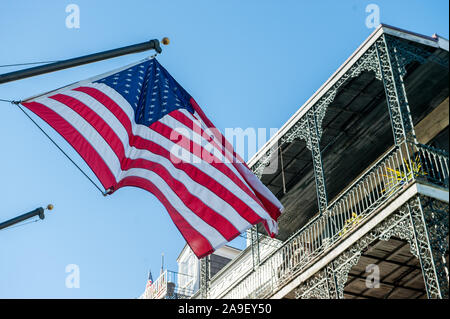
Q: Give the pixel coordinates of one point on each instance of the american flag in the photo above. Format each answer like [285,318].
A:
[135,126]
[150,280]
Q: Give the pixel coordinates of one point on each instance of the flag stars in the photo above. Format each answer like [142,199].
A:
[149,90]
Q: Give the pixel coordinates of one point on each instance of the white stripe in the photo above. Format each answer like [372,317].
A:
[195,134]
[146,133]
[238,167]
[149,134]
[249,176]
[86,130]
[209,232]
[111,160]
[237,171]
[219,136]
[254,182]
[199,139]
[86,81]
[203,193]
[197,120]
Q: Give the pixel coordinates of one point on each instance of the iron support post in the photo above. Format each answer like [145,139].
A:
[314,146]
[204,276]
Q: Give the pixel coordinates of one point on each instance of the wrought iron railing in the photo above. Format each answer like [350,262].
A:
[169,285]
[383,180]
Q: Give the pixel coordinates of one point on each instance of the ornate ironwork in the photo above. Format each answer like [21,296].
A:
[255,246]
[422,222]
[314,143]
[430,221]
[406,53]
[424,228]
[262,163]
[314,288]
[204,276]
[368,62]
[299,131]
[363,198]
[401,120]
[397,225]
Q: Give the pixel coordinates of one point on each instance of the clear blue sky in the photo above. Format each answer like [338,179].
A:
[247,63]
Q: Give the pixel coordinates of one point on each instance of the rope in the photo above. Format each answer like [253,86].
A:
[29,63]
[22,224]
[62,151]
[9,101]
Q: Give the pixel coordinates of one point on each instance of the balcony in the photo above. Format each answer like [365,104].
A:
[169,285]
[399,168]
[338,146]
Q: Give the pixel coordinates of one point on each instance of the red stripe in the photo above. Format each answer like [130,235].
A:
[141,143]
[124,119]
[182,118]
[200,152]
[201,209]
[76,140]
[209,124]
[261,200]
[272,209]
[96,122]
[198,207]
[198,243]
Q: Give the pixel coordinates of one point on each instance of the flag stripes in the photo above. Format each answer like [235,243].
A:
[210,196]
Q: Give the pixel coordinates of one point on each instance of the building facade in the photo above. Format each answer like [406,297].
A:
[362,170]
[185,282]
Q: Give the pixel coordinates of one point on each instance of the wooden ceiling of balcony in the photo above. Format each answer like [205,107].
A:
[400,275]
[356,131]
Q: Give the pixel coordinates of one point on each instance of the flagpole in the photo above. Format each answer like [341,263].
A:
[37,212]
[61,65]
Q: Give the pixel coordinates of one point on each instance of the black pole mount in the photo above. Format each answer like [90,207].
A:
[37,212]
[61,65]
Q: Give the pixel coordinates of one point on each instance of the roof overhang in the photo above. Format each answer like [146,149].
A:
[436,42]
[356,129]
